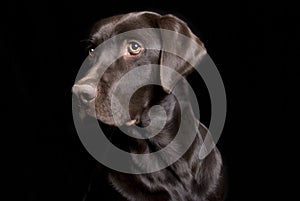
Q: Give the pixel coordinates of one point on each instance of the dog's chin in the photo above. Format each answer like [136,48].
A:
[116,122]
[107,120]
[89,112]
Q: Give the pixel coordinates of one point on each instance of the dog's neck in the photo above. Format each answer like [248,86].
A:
[186,175]
[170,129]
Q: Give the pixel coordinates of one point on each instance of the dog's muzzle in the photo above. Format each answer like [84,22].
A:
[85,92]
[86,95]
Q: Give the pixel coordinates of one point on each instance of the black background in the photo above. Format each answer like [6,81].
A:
[253,46]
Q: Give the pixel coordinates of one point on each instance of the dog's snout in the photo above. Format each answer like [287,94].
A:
[85,92]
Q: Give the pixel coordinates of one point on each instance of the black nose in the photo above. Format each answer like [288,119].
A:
[85,92]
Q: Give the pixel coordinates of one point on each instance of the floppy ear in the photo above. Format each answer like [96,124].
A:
[190,49]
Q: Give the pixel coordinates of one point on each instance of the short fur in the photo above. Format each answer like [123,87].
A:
[188,179]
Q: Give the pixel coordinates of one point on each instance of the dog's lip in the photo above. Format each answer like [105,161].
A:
[131,122]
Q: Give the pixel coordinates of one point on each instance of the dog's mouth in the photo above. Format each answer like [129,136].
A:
[117,123]
[89,110]
[90,103]
[131,122]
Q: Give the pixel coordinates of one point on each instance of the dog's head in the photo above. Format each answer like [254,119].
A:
[132,51]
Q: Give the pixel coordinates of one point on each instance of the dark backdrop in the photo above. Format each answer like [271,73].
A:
[251,44]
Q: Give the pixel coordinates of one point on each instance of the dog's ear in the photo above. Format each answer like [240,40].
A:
[190,49]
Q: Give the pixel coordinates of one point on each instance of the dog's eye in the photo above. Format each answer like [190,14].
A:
[91,52]
[134,48]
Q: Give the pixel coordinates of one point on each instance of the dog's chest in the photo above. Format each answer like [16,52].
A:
[159,186]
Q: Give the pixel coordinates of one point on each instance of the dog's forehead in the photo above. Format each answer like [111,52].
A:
[104,27]
[109,27]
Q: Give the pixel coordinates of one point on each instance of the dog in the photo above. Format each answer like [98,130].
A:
[189,178]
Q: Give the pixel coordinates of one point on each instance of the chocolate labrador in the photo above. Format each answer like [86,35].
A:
[190,178]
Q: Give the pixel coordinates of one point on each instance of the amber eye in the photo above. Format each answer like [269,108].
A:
[134,48]
[91,52]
